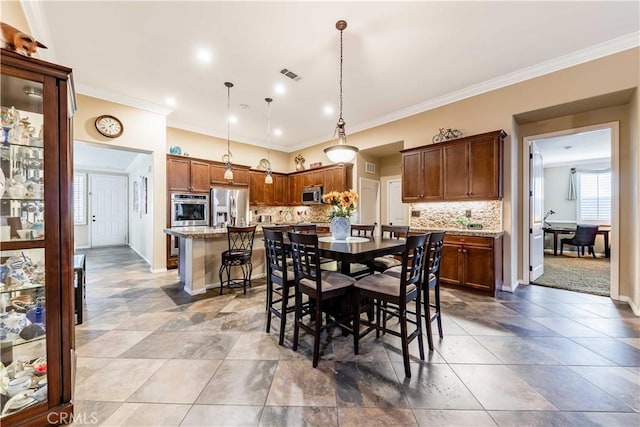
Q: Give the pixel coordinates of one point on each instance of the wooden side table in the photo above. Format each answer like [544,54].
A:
[79,268]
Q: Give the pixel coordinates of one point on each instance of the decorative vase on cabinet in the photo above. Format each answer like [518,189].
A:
[340,227]
[36,243]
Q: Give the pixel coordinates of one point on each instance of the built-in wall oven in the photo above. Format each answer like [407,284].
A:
[188,210]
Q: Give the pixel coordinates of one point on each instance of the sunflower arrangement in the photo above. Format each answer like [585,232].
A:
[343,203]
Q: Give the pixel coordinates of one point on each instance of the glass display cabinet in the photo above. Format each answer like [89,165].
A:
[36,242]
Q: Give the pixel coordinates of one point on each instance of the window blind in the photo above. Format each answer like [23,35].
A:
[594,197]
[80,198]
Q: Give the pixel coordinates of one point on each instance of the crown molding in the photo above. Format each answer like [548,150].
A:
[39,28]
[122,99]
[210,132]
[591,53]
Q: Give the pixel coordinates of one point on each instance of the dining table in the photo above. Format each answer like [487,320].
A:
[357,250]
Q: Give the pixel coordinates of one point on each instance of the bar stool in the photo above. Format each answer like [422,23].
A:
[240,241]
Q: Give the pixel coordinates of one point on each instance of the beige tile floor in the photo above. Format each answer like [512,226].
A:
[150,355]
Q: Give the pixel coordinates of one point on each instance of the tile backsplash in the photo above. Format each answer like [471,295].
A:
[288,214]
[443,215]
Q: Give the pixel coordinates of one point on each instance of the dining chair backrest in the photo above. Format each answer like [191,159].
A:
[305,228]
[585,235]
[434,257]
[394,231]
[306,258]
[276,255]
[413,261]
[363,230]
[283,228]
[240,239]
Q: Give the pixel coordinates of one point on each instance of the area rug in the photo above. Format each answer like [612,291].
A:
[584,274]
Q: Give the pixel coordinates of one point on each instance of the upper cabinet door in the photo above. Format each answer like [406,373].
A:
[432,174]
[199,176]
[178,174]
[485,179]
[456,171]
[412,184]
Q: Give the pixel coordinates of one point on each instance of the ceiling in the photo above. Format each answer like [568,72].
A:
[576,148]
[400,58]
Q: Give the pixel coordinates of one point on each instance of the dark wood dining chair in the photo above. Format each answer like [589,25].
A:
[396,293]
[319,286]
[358,270]
[305,228]
[585,236]
[383,263]
[280,279]
[363,230]
[238,254]
[431,280]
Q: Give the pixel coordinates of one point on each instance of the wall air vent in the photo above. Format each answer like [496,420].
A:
[293,76]
[370,168]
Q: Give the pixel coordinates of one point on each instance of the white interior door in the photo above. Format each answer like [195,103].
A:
[108,195]
[395,208]
[536,215]
[369,206]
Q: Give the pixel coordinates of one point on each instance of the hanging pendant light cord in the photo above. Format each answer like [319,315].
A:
[228,120]
[341,74]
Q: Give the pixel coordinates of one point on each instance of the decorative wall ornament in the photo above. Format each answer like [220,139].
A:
[299,162]
[446,135]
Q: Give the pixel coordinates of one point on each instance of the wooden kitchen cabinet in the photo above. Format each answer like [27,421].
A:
[473,167]
[337,178]
[463,169]
[295,189]
[187,175]
[472,261]
[423,171]
[281,189]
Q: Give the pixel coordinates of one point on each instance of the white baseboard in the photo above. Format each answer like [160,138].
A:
[158,270]
[510,288]
[140,255]
[634,308]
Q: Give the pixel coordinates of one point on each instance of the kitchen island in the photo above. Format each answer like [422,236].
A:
[200,255]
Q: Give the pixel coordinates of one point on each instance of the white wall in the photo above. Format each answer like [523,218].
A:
[141,222]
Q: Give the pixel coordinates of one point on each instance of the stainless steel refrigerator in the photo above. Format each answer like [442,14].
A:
[229,206]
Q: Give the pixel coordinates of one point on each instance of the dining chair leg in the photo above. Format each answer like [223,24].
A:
[283,313]
[405,341]
[436,290]
[269,303]
[316,338]
[222,268]
[419,326]
[356,323]
[297,319]
[378,314]
[427,319]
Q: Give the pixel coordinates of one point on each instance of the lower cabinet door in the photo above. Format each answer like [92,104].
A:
[479,267]
[451,265]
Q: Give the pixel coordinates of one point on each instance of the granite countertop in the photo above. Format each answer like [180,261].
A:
[462,232]
[202,232]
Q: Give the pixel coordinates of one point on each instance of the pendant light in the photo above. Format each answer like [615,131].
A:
[228,170]
[268,179]
[341,152]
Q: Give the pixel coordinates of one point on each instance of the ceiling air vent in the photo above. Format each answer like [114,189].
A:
[293,76]
[370,167]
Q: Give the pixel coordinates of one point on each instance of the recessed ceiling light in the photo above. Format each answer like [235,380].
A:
[170,101]
[280,88]
[233,120]
[277,132]
[244,106]
[328,110]
[204,55]
[33,92]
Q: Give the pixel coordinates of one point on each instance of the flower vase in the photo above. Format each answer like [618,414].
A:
[340,227]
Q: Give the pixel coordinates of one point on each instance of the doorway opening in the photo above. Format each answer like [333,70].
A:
[572,178]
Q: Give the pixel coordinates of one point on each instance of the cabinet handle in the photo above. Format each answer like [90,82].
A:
[459,250]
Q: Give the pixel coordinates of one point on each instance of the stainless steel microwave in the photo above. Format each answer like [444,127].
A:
[312,195]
